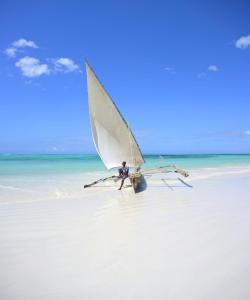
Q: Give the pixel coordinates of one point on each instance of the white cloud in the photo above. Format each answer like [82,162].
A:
[213,68]
[11,52]
[243,42]
[247,132]
[65,65]
[21,43]
[31,67]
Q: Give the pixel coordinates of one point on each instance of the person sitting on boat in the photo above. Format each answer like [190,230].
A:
[123,173]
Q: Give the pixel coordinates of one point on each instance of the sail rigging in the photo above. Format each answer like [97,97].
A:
[113,139]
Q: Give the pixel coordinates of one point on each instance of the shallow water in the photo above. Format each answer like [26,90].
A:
[12,164]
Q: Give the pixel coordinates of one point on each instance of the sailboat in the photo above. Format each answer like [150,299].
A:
[113,138]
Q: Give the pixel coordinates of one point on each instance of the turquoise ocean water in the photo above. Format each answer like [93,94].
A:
[27,164]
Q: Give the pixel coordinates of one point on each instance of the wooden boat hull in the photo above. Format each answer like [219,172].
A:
[136,181]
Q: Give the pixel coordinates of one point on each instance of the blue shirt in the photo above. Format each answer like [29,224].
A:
[124,171]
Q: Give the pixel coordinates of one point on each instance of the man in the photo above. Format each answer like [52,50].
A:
[123,173]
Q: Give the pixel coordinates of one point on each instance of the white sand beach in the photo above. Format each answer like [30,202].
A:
[172,241]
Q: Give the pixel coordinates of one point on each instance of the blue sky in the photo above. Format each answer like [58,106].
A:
[179,71]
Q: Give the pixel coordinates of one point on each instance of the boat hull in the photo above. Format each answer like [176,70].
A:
[136,180]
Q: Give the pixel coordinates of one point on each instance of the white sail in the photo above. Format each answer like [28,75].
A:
[112,136]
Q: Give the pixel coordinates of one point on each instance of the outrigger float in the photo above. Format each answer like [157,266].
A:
[113,138]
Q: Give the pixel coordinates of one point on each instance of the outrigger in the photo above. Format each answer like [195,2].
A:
[113,138]
[136,177]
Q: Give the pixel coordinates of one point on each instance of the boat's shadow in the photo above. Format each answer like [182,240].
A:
[143,184]
[172,187]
